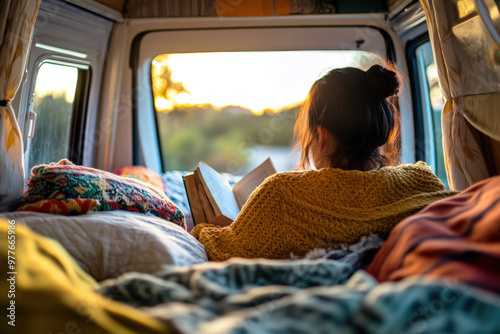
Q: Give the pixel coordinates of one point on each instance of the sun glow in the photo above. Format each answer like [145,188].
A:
[259,81]
[56,80]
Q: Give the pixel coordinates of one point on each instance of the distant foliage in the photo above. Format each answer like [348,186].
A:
[221,138]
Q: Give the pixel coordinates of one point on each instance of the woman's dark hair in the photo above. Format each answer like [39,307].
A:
[357,109]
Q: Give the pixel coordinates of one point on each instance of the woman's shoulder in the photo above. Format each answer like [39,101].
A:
[418,168]
[419,165]
[285,177]
[414,175]
[298,177]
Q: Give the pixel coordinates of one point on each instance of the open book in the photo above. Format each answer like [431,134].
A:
[226,202]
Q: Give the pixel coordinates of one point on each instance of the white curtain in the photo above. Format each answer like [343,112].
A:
[469,80]
[17,19]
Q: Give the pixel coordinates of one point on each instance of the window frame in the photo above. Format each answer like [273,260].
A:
[79,110]
[422,108]
[80,115]
[416,92]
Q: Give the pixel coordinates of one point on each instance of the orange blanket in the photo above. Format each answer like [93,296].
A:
[457,238]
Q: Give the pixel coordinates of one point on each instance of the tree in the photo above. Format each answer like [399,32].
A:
[163,84]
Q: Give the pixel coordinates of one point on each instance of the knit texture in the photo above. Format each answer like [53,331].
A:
[295,212]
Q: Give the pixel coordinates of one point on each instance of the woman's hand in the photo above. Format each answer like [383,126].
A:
[207,209]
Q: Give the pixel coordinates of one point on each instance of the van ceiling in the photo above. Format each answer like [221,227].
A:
[181,8]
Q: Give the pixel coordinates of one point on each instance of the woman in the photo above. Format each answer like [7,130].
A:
[348,127]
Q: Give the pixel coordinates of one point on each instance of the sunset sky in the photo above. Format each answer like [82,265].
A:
[253,80]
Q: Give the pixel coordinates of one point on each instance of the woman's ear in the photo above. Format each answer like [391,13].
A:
[325,146]
[324,137]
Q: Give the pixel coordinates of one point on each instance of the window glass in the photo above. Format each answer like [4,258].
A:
[53,99]
[234,109]
[433,102]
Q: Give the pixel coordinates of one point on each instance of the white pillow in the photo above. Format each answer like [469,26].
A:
[108,244]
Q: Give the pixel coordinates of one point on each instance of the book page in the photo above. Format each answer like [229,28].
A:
[251,181]
[219,192]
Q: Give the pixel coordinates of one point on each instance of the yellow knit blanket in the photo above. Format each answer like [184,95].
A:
[295,212]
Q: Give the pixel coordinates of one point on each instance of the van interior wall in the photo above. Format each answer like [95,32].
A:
[115,116]
[225,8]
[118,5]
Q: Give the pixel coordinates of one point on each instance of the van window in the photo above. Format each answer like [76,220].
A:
[432,102]
[54,98]
[234,109]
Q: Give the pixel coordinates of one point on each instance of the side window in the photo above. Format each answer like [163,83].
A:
[430,106]
[57,104]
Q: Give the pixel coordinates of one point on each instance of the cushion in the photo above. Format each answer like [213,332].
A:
[67,189]
[142,173]
[457,239]
[108,244]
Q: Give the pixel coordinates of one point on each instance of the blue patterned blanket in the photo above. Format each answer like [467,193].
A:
[303,296]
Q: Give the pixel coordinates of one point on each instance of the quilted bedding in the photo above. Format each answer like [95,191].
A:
[108,244]
[303,296]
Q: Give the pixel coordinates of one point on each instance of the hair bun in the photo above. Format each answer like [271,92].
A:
[382,82]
